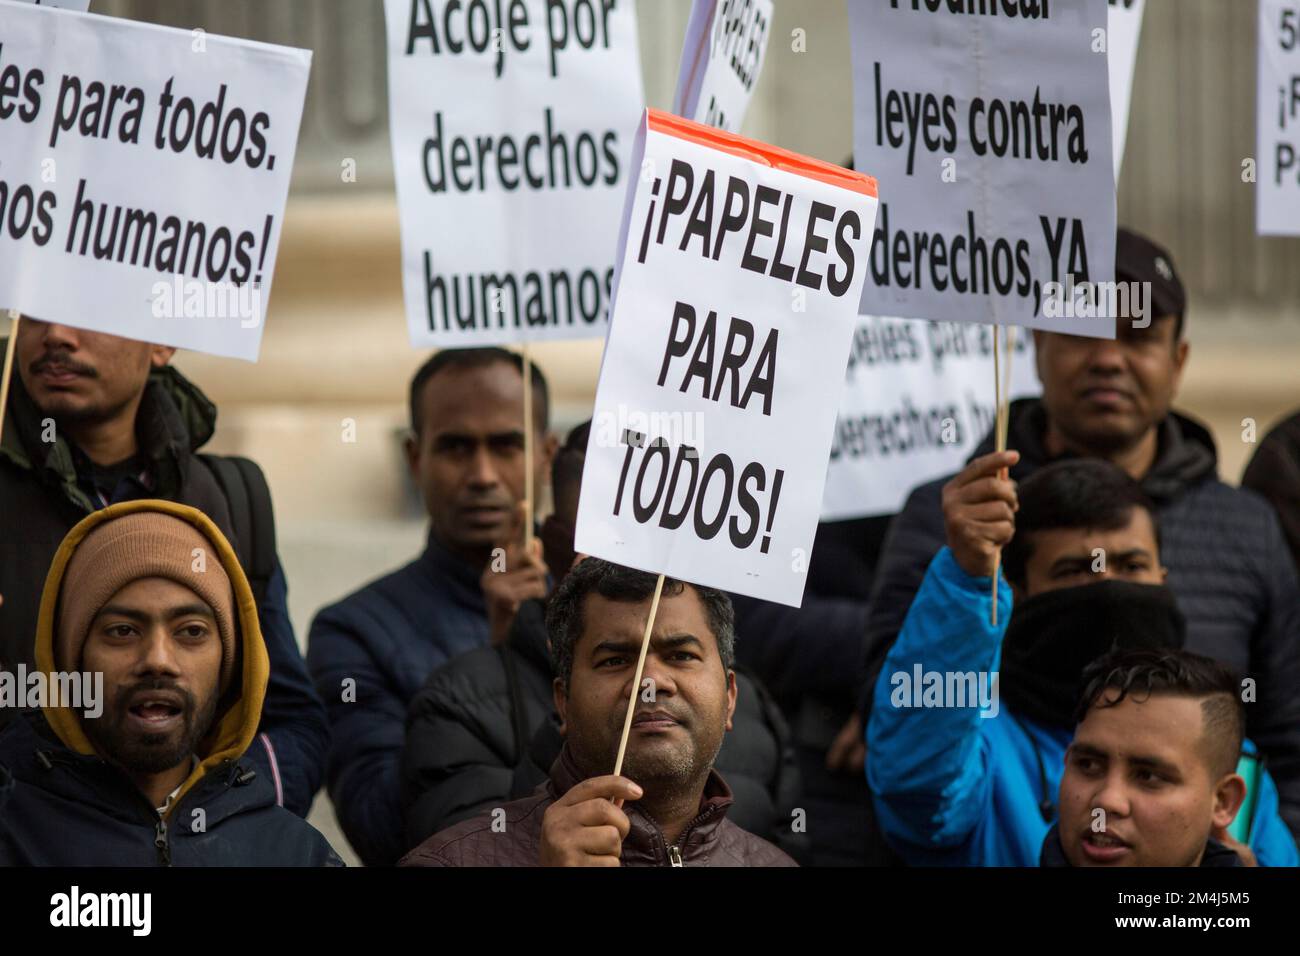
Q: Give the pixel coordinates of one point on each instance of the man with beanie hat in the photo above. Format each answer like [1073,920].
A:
[149,595]
[971,719]
[95,419]
[1111,399]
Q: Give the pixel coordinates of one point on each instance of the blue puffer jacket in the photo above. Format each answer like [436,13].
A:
[952,787]
[386,639]
[1229,568]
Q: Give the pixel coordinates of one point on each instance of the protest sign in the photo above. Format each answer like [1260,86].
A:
[1123,28]
[916,403]
[144,176]
[989,123]
[511,125]
[1277,120]
[722,57]
[740,268]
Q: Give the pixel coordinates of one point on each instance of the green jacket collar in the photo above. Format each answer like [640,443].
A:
[175,420]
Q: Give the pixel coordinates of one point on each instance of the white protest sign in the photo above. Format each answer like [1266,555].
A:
[512,125]
[739,275]
[917,401]
[726,41]
[143,176]
[1123,28]
[989,123]
[1277,120]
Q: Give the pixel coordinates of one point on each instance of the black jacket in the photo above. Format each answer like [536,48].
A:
[386,639]
[69,806]
[774,640]
[463,752]
[66,809]
[1228,563]
[42,500]
[1274,472]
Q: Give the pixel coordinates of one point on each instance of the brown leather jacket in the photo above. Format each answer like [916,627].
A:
[709,840]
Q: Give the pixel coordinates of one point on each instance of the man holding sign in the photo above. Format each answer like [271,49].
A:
[144,179]
[1229,566]
[94,420]
[371,652]
[669,808]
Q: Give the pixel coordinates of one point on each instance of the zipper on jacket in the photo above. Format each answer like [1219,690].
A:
[161,842]
[674,855]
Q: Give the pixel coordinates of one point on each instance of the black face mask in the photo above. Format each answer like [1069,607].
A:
[1053,636]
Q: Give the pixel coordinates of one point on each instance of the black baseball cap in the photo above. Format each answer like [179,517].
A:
[1138,259]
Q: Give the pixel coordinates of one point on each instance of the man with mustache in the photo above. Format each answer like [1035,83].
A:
[372,651]
[965,781]
[150,595]
[1229,566]
[95,419]
[483,729]
[1151,775]
[668,808]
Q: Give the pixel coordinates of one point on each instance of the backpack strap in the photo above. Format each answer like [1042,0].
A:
[249,497]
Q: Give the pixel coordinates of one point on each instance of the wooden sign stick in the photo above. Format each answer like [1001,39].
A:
[528,450]
[1002,395]
[14,317]
[636,680]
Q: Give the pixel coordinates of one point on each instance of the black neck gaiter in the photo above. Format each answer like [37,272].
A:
[1053,636]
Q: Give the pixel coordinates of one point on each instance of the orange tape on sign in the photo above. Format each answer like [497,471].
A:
[763,153]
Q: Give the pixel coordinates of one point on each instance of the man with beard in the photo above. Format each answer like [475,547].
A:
[1151,775]
[95,419]
[149,597]
[966,778]
[669,806]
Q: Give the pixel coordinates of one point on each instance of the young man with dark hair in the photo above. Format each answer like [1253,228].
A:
[371,652]
[1151,775]
[148,598]
[971,719]
[1229,565]
[96,419]
[669,806]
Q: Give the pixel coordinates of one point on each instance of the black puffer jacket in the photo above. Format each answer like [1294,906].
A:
[462,753]
[1228,563]
[1274,471]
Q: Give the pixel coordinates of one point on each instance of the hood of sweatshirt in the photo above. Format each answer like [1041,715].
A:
[239,712]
